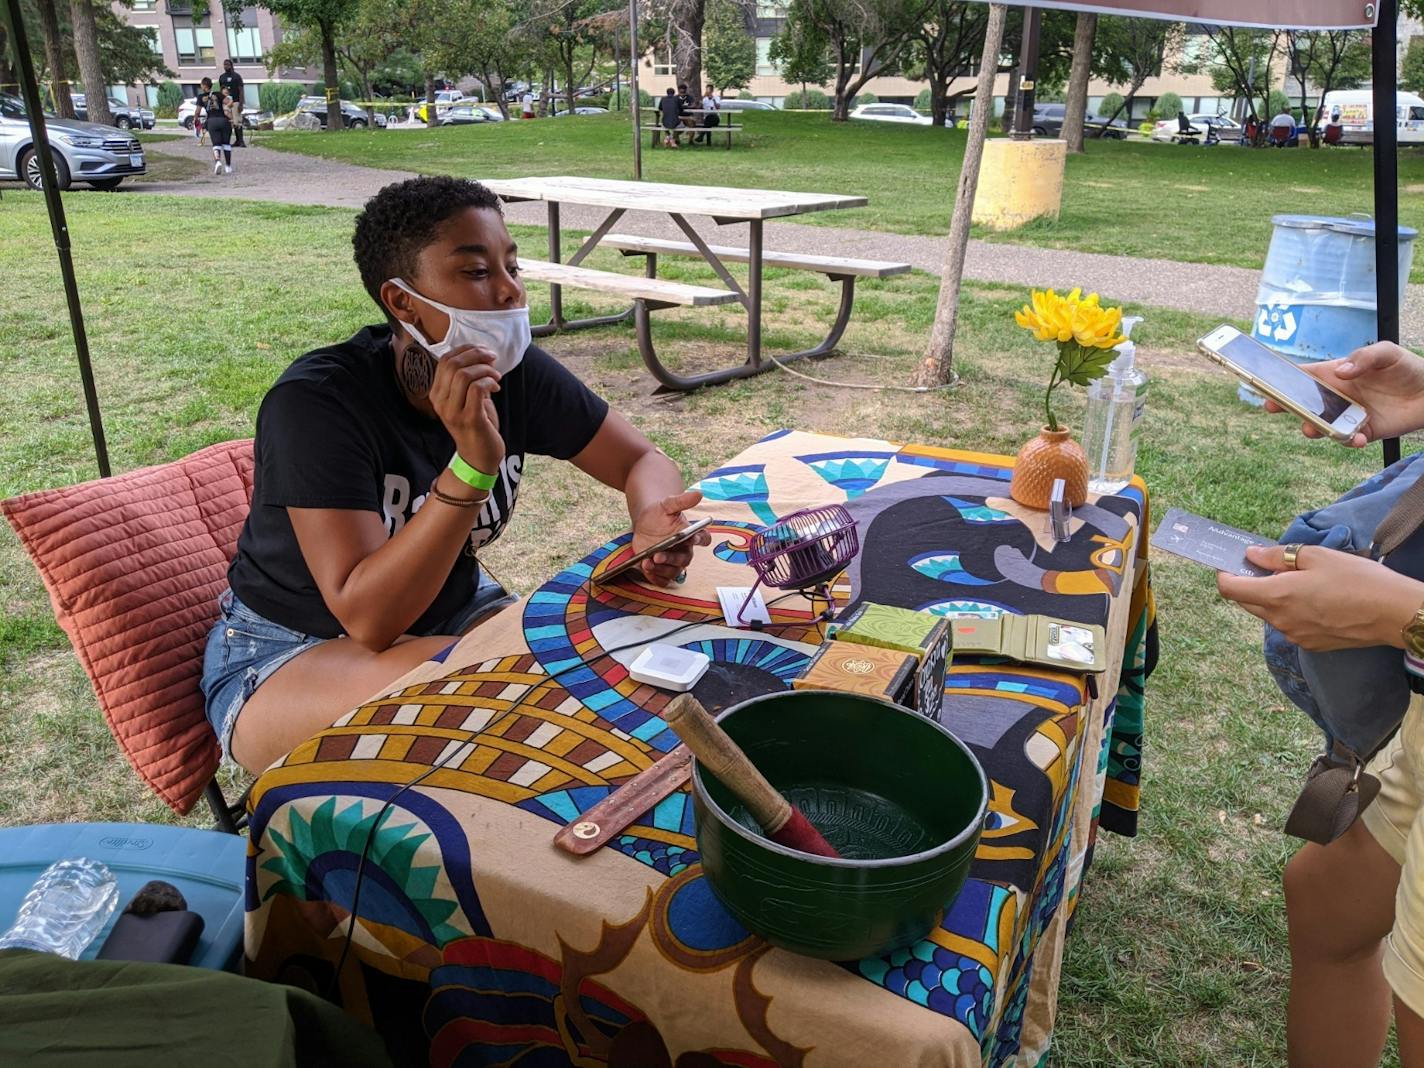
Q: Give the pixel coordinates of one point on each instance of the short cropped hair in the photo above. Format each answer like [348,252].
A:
[402,219]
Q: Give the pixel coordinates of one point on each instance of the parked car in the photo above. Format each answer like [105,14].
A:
[252,118]
[1227,129]
[492,112]
[466,114]
[83,151]
[514,90]
[891,113]
[126,117]
[738,104]
[1048,122]
[352,117]
[584,110]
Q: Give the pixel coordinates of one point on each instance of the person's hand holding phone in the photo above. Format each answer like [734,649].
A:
[656,522]
[1384,379]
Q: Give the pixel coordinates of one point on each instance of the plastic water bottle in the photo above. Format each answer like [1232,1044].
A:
[65,909]
[1116,403]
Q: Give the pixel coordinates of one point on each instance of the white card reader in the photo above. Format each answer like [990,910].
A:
[669,667]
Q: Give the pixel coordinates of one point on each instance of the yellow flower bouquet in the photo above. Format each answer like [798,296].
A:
[1085,332]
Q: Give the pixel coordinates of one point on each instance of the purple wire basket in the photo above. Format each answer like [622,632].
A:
[803,551]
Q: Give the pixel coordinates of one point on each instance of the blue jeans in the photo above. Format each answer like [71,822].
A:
[245,649]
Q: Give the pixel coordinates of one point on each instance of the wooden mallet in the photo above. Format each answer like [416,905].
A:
[779,818]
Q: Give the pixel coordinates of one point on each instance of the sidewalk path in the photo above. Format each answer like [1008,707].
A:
[291,178]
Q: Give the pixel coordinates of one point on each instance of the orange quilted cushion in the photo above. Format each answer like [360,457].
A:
[134,565]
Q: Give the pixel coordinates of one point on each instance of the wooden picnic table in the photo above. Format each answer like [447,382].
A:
[723,204]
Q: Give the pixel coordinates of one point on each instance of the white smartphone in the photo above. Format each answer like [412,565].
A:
[1332,413]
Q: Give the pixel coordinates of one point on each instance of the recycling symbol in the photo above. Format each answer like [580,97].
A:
[1276,322]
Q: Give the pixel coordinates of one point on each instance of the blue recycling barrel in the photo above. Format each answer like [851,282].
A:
[1316,300]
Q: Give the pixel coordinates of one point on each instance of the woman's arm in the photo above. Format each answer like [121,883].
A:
[622,457]
[377,586]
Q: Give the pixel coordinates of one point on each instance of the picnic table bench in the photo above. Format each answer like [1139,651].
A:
[723,205]
[655,129]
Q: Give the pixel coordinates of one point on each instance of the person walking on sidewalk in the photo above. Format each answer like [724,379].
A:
[220,130]
[231,83]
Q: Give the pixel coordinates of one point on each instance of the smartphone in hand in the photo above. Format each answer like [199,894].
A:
[672,541]
[1332,413]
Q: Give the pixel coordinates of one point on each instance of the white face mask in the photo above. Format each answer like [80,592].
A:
[505,333]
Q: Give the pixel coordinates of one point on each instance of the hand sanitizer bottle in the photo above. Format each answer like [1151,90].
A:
[1115,406]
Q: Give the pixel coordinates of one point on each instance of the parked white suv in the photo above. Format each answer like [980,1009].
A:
[891,113]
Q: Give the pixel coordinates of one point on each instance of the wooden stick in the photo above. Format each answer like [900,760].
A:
[725,759]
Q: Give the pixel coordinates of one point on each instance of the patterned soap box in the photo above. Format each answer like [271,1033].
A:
[923,635]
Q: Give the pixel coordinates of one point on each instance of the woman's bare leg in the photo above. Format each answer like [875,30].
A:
[316,688]
[1340,905]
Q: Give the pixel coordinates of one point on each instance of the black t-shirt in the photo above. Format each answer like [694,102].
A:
[232,82]
[671,108]
[337,432]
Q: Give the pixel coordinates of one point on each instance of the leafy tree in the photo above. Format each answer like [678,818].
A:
[1112,104]
[922,100]
[728,50]
[1327,59]
[1240,63]
[801,54]
[947,44]
[1413,73]
[170,99]
[1129,51]
[325,18]
[1168,104]
[866,38]
[866,98]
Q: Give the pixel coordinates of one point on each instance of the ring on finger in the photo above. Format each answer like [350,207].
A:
[1292,556]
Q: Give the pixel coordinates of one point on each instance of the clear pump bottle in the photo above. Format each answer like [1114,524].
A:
[1116,403]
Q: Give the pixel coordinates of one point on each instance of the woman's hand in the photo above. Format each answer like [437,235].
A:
[460,395]
[1333,600]
[1384,379]
[656,522]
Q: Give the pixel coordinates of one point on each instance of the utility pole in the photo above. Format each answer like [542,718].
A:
[633,90]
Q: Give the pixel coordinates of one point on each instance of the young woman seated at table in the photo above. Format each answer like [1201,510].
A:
[385,462]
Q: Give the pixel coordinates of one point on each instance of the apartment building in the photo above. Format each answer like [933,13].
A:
[194,46]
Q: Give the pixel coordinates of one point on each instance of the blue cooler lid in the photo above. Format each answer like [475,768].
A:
[1354,225]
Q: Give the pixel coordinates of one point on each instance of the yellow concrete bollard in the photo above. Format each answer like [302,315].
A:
[1019,181]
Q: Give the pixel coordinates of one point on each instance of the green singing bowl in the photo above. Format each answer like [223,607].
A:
[901,799]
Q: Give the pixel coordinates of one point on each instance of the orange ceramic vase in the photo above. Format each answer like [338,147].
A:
[1052,455]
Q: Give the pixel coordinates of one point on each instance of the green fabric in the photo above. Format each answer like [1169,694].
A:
[56,1012]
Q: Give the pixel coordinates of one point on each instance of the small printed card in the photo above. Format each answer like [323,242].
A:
[732,598]
[1205,541]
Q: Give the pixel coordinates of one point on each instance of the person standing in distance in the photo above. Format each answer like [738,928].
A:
[231,81]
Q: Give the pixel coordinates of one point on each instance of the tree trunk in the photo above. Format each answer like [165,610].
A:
[688,17]
[1077,104]
[840,107]
[54,56]
[569,87]
[86,50]
[939,98]
[431,119]
[335,120]
[937,367]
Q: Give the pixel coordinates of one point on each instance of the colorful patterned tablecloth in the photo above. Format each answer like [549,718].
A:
[478,943]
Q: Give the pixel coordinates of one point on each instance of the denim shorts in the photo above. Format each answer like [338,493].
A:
[245,649]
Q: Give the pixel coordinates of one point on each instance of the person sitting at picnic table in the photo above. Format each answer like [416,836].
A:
[671,109]
[1355,907]
[384,464]
[710,106]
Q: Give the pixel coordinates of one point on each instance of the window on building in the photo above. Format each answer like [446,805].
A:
[764,66]
[663,66]
[143,5]
[244,45]
[154,44]
[195,44]
[771,9]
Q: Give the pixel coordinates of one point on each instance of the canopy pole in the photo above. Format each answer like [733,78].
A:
[1384,59]
[29,90]
[634,108]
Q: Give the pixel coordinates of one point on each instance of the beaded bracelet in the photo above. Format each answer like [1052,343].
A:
[458,502]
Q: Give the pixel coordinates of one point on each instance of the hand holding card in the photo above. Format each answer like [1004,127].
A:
[1205,541]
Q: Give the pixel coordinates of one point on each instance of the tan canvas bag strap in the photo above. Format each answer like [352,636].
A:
[1403,520]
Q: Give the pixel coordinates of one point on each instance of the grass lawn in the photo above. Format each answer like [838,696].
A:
[1130,198]
[1178,956]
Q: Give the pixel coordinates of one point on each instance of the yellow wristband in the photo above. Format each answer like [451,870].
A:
[471,476]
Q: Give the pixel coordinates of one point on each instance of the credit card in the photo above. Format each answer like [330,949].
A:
[1208,542]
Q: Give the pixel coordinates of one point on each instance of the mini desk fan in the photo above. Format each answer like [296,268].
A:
[803,551]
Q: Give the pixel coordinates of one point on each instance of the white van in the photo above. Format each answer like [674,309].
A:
[1353,111]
